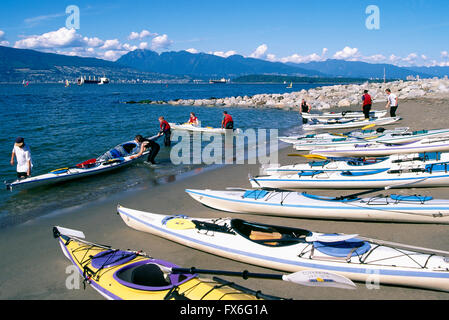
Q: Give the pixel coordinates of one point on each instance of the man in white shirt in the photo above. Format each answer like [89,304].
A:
[23,156]
[392,102]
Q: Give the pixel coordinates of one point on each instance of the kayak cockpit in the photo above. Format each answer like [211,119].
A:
[147,275]
[122,150]
[268,235]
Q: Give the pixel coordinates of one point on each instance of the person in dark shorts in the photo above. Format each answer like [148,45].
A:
[305,108]
[392,102]
[145,144]
[22,154]
[366,104]
[165,131]
[227,122]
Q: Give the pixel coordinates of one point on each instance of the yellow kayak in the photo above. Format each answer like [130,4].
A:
[131,275]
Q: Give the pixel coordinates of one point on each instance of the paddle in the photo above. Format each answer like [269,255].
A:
[309,278]
[307,156]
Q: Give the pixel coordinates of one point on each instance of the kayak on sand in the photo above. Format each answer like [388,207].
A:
[392,208]
[293,249]
[133,275]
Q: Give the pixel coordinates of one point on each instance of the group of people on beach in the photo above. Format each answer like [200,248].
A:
[22,153]
[392,103]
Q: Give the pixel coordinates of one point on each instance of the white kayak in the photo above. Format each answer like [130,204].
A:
[193,128]
[344,114]
[293,249]
[430,175]
[368,133]
[397,161]
[393,208]
[382,149]
[385,138]
[118,157]
[353,123]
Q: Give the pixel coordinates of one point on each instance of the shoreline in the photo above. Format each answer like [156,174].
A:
[35,266]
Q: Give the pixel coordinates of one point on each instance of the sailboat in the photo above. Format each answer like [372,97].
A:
[25,83]
[67,83]
[290,85]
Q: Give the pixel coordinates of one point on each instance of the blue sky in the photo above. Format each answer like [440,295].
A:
[414,32]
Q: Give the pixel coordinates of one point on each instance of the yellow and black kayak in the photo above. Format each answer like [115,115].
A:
[131,275]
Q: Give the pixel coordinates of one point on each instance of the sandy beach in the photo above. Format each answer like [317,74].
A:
[33,266]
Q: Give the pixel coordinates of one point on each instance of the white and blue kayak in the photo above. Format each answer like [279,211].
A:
[118,157]
[362,134]
[344,114]
[397,161]
[429,175]
[392,208]
[294,249]
[375,149]
[352,123]
[385,138]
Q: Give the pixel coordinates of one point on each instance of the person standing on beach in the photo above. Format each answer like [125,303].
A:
[392,102]
[165,131]
[305,108]
[227,122]
[366,104]
[22,154]
[145,144]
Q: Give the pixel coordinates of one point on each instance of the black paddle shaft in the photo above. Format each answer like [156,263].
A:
[244,274]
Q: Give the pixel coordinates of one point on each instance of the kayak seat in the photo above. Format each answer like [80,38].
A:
[149,275]
[348,248]
[255,194]
[398,197]
[260,235]
[110,258]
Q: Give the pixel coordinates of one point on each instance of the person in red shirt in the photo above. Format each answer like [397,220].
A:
[366,104]
[165,131]
[227,121]
[193,120]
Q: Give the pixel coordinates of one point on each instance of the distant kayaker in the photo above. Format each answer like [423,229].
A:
[22,154]
[227,122]
[304,108]
[145,144]
[193,120]
[392,102]
[165,131]
[366,104]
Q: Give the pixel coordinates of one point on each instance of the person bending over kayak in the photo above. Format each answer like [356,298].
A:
[366,104]
[227,121]
[22,154]
[165,131]
[145,144]
[305,108]
[193,120]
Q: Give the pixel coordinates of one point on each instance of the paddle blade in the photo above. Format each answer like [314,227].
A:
[307,156]
[330,237]
[312,278]
[369,126]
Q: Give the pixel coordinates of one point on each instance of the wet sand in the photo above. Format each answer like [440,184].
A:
[33,266]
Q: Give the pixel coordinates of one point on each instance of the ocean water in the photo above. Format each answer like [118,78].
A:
[65,126]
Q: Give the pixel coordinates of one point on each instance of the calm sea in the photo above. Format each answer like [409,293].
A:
[65,126]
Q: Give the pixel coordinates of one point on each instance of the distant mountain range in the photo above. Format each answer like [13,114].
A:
[18,64]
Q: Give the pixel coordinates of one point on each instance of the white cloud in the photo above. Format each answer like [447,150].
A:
[375,58]
[271,57]
[347,53]
[128,47]
[410,58]
[143,34]
[113,44]
[260,51]
[223,54]
[54,39]
[143,45]
[113,55]
[444,54]
[192,50]
[2,34]
[161,42]
[4,43]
